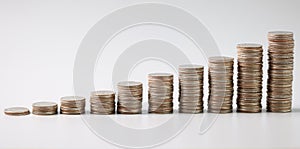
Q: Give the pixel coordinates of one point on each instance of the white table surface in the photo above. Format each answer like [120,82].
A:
[236,130]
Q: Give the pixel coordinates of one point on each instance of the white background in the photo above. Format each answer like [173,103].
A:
[39,41]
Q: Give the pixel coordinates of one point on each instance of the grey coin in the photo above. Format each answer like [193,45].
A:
[44,104]
[129,84]
[17,111]
[72,99]
[44,113]
[105,93]
[219,111]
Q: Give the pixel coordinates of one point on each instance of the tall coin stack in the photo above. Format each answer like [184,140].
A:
[160,93]
[281,60]
[190,88]
[220,76]
[130,97]
[250,73]
[44,108]
[102,102]
[72,105]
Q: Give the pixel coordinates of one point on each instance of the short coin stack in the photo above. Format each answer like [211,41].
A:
[44,108]
[130,97]
[220,84]
[16,111]
[250,73]
[72,105]
[160,93]
[281,61]
[190,88]
[102,102]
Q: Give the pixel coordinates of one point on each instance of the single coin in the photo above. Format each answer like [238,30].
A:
[44,104]
[72,99]
[219,111]
[249,45]
[16,111]
[220,59]
[103,93]
[280,33]
[129,84]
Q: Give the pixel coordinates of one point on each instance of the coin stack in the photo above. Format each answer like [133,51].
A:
[281,61]
[190,88]
[102,102]
[44,108]
[16,111]
[250,73]
[160,93]
[72,105]
[130,97]
[220,84]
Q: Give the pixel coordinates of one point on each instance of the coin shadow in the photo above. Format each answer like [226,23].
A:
[296,110]
[145,112]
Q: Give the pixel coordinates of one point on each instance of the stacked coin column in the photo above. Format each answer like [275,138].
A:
[72,105]
[250,73]
[102,102]
[44,108]
[281,59]
[130,97]
[220,76]
[190,89]
[160,93]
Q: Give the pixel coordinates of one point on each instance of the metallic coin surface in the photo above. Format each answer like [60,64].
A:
[220,77]
[250,73]
[280,73]
[17,111]
[72,105]
[191,88]
[44,108]
[160,93]
[130,97]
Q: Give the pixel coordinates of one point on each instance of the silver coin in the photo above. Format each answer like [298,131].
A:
[44,112]
[44,104]
[219,111]
[72,99]
[220,59]
[17,111]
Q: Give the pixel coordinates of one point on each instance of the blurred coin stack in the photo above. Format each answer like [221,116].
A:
[220,77]
[190,88]
[130,97]
[250,73]
[281,61]
[72,105]
[17,111]
[160,93]
[102,102]
[44,108]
